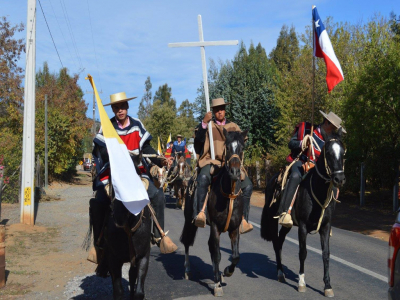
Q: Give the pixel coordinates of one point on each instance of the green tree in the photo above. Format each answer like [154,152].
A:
[164,94]
[11,105]
[146,103]
[286,50]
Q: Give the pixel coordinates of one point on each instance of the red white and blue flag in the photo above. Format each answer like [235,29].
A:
[323,48]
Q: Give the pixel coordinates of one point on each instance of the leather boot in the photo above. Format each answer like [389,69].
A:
[245,226]
[285,219]
[201,193]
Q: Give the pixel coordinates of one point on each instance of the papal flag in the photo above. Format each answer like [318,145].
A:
[159,151]
[128,186]
[169,139]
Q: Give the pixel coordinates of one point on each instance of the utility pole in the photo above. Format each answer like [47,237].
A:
[28,148]
[46,170]
[94,111]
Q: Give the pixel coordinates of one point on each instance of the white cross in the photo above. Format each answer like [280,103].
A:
[202,44]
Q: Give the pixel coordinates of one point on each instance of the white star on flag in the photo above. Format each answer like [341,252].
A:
[316,24]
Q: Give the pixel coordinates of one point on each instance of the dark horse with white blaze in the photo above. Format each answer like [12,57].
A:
[314,206]
[225,209]
[126,239]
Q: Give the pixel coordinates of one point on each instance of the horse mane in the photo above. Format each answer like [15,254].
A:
[234,136]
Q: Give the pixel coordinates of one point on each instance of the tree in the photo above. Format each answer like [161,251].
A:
[286,50]
[145,103]
[164,94]
[11,104]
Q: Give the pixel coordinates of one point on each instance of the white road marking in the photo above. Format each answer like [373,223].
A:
[338,259]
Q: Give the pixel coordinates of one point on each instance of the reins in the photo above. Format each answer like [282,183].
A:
[232,196]
[329,195]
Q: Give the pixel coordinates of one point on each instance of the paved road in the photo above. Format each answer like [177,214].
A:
[358,268]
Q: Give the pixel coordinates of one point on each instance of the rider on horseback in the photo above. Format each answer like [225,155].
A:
[206,164]
[299,146]
[136,139]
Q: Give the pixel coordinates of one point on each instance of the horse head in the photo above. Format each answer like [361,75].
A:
[332,158]
[181,167]
[234,146]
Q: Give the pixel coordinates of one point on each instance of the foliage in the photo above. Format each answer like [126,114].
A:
[11,101]
[145,103]
[286,50]
[164,94]
[67,122]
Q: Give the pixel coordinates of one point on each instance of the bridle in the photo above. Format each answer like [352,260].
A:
[327,168]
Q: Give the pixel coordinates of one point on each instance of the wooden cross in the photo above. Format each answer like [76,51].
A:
[202,44]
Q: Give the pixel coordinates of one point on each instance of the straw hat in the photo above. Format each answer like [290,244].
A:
[334,119]
[118,98]
[178,135]
[218,102]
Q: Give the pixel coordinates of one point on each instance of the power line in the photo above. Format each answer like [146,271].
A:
[62,33]
[71,32]
[50,34]
[94,48]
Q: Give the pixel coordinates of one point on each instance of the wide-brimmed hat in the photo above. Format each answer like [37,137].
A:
[178,135]
[118,98]
[218,102]
[334,119]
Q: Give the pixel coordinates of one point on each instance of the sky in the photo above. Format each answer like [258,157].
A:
[121,43]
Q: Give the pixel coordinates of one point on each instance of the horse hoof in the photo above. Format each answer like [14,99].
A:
[187,275]
[218,291]
[227,273]
[329,293]
[281,276]
[302,288]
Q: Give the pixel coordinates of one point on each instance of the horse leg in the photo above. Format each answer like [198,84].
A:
[324,236]
[302,255]
[278,244]
[115,268]
[213,246]
[234,236]
[142,265]
[187,239]
[187,263]
[132,278]
[183,197]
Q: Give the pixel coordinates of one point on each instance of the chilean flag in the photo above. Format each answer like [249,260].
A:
[323,48]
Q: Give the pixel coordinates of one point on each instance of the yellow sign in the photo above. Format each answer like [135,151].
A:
[27,196]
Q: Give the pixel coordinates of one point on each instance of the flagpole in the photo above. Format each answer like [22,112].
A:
[313,61]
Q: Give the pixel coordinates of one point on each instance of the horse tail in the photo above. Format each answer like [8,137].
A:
[189,229]
[269,225]
[88,238]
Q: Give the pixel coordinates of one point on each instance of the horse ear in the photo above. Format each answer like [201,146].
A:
[244,134]
[225,132]
[340,132]
[323,133]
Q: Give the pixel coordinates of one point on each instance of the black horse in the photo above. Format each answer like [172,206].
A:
[320,184]
[225,209]
[126,238]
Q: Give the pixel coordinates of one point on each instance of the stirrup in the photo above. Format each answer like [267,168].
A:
[285,220]
[245,227]
[200,220]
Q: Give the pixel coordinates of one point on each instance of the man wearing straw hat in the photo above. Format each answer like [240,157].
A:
[204,176]
[136,139]
[299,146]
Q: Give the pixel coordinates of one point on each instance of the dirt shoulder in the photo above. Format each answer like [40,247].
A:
[369,220]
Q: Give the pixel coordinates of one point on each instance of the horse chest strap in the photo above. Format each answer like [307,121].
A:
[230,209]
[138,223]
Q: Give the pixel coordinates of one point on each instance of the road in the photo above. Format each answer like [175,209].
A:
[358,266]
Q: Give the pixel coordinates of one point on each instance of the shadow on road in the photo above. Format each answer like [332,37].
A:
[202,272]
[256,264]
[95,287]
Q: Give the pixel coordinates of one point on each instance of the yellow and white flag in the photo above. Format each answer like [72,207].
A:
[128,186]
[159,151]
[169,139]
